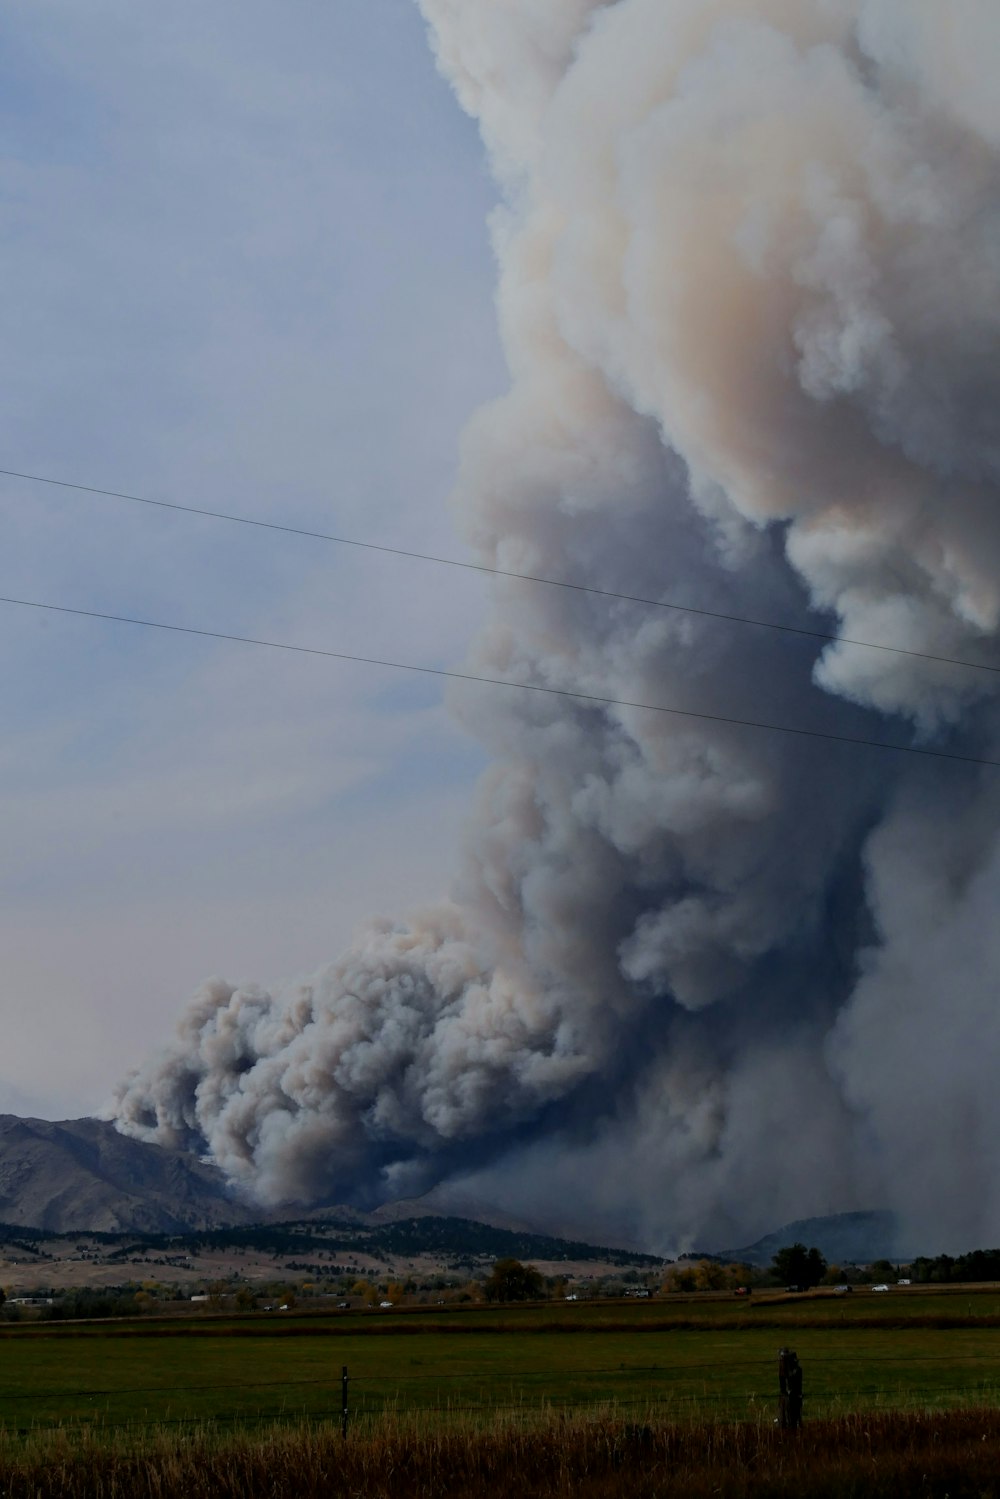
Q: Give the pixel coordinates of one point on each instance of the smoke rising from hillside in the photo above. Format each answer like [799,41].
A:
[750,294]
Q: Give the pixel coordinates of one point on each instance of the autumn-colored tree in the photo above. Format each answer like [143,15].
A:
[709,1275]
[741,1275]
[706,1275]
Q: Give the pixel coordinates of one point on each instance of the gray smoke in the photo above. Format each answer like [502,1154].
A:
[700,978]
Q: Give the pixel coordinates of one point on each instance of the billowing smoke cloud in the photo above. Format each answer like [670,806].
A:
[699,978]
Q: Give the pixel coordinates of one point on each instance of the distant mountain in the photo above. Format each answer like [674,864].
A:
[444,1202]
[82,1174]
[843,1239]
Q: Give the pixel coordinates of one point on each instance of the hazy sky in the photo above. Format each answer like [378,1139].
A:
[246,266]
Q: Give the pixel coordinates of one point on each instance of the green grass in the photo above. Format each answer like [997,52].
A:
[681,1359]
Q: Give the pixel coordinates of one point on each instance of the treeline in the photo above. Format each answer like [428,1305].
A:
[463,1236]
[87,1304]
[802,1268]
[456,1238]
[810,1268]
[980,1264]
[116,1301]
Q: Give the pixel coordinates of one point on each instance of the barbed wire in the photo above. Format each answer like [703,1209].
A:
[332,1379]
[736,1400]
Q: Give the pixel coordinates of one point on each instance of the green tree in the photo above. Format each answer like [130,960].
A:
[509,1280]
[796,1265]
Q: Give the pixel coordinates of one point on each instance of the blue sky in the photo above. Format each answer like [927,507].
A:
[245,266]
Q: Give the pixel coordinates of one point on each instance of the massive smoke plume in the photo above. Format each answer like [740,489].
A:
[750,294]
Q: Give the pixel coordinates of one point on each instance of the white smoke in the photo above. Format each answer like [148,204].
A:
[750,297]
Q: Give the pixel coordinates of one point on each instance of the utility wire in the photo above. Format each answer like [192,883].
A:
[466,676]
[503,572]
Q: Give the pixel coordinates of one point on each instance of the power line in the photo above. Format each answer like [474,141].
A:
[503,572]
[466,676]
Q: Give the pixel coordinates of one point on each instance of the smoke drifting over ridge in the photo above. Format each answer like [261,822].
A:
[750,295]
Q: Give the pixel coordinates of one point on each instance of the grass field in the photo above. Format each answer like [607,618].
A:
[670,1399]
[684,1358]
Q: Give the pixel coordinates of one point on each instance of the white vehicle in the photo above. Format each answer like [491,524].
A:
[881,1287]
[385,1303]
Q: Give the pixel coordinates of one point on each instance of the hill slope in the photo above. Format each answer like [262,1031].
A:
[82,1174]
[842,1239]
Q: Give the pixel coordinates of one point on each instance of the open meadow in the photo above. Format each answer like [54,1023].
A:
[629,1380]
[679,1357]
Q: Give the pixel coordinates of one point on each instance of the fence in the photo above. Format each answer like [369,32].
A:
[347,1395]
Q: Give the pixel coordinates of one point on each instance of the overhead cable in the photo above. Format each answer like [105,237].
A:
[829,636]
[465,676]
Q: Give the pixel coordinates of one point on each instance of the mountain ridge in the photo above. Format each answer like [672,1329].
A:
[78,1174]
[842,1238]
[82,1175]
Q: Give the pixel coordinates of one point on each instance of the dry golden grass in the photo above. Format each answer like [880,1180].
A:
[883,1456]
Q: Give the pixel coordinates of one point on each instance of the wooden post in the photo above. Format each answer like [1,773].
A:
[343,1402]
[789,1390]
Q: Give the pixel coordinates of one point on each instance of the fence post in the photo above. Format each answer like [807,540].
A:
[343,1401]
[789,1390]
